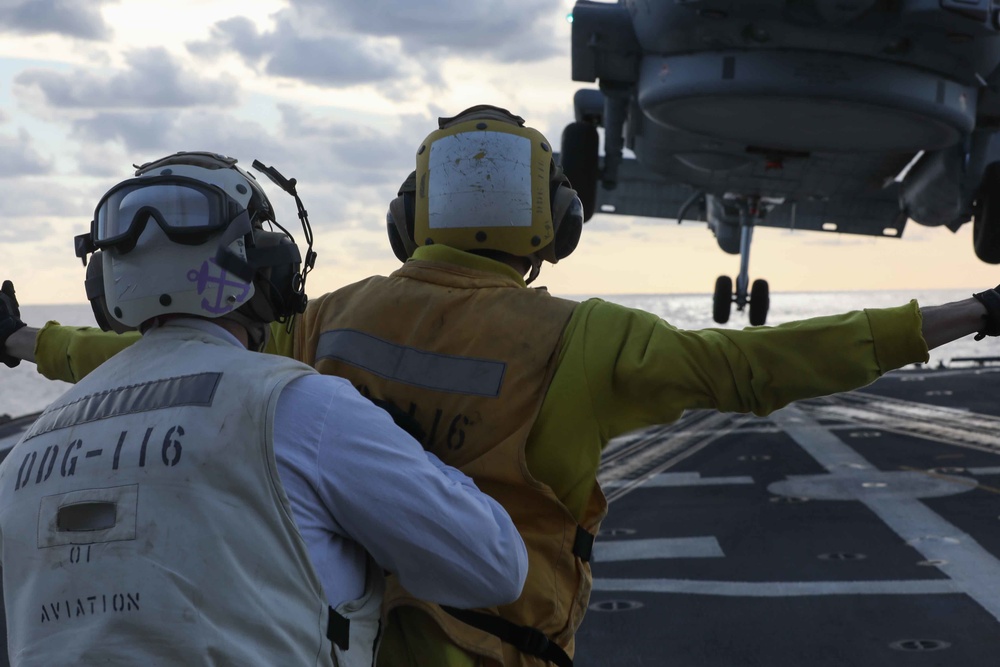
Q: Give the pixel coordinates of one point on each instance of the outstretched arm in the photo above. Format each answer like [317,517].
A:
[951,321]
[69,353]
[64,353]
[21,344]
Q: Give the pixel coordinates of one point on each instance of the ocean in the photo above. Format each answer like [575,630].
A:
[23,391]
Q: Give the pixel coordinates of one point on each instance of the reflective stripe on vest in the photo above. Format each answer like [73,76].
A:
[400,363]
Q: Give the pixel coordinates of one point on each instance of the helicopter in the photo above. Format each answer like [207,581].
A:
[845,116]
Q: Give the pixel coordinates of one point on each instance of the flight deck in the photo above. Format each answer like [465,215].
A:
[858,529]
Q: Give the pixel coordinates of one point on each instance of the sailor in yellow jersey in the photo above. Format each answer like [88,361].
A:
[521,390]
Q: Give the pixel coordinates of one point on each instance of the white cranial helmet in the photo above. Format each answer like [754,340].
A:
[163,233]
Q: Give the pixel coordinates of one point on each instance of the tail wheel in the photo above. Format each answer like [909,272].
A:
[580,162]
[760,301]
[986,219]
[722,301]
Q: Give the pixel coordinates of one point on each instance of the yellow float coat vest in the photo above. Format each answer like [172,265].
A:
[470,356]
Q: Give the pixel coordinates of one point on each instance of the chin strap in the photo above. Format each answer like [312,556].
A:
[991,301]
[536,268]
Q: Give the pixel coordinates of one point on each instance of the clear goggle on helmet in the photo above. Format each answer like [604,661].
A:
[189,202]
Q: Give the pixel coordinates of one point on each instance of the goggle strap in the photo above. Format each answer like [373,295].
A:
[229,260]
[234,264]
[238,227]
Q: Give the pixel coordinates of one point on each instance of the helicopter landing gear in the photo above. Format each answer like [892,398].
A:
[758,298]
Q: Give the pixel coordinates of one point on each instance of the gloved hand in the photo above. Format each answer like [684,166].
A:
[10,321]
[991,300]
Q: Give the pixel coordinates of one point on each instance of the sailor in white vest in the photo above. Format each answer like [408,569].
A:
[195,503]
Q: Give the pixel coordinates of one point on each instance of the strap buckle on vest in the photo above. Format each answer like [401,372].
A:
[583,544]
[530,640]
[526,639]
[338,629]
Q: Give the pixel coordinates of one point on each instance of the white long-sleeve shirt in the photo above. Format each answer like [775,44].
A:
[356,482]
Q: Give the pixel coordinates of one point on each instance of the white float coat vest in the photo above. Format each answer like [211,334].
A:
[143,521]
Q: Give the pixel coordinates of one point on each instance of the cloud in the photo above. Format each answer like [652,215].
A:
[391,43]
[355,149]
[111,142]
[347,171]
[72,18]
[31,198]
[25,231]
[102,160]
[155,79]
[368,246]
[146,132]
[512,31]
[20,158]
[325,60]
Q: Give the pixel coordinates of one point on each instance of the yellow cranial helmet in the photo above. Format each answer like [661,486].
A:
[484,181]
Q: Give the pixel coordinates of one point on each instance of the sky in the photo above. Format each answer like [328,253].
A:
[338,94]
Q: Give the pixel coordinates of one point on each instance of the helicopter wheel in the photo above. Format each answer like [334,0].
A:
[722,301]
[986,219]
[760,301]
[580,162]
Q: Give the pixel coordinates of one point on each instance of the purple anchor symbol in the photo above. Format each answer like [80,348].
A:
[203,279]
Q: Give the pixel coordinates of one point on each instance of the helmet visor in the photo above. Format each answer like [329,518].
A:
[186,209]
[480,179]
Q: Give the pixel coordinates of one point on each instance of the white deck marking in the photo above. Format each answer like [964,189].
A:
[671,547]
[780,589]
[671,479]
[865,485]
[828,450]
[995,470]
[974,570]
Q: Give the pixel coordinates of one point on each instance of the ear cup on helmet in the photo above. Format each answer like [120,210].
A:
[395,242]
[278,290]
[94,285]
[399,219]
[567,217]
[399,227]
